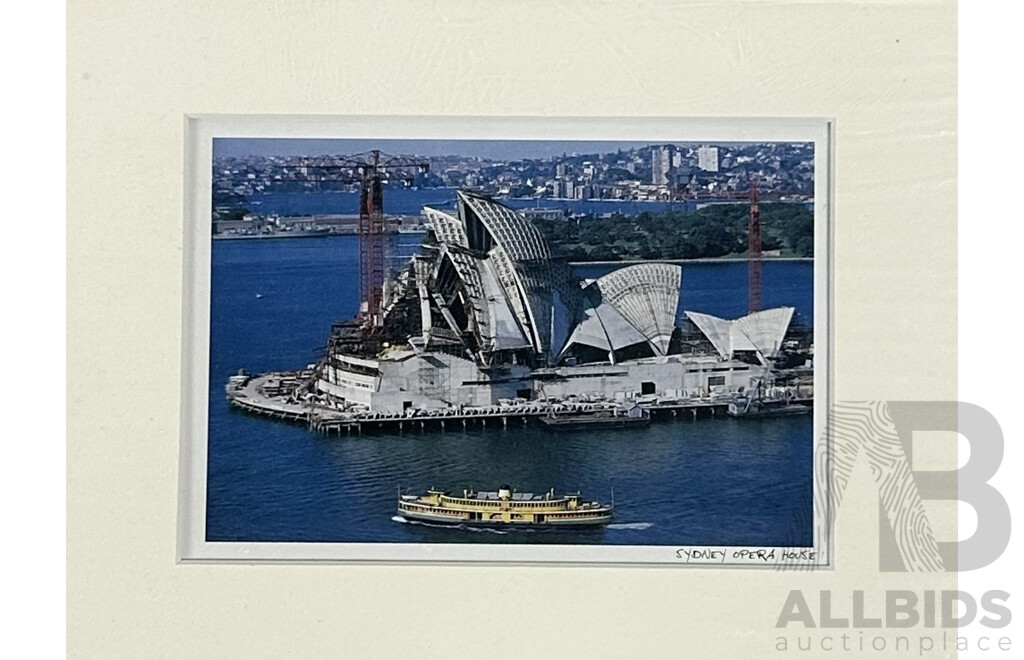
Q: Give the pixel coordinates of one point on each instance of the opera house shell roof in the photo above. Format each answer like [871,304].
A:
[759,332]
[492,272]
[487,287]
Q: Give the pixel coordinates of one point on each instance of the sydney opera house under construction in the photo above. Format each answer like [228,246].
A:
[484,314]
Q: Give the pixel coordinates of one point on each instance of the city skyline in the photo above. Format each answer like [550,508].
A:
[558,169]
[493,149]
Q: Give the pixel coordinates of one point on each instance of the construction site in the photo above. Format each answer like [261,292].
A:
[486,325]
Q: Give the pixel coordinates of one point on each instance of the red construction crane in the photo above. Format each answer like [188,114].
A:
[371,169]
[754,302]
[754,252]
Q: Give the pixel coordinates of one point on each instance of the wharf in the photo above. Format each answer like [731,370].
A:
[279,395]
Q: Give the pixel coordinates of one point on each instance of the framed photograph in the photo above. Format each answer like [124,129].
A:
[532,339]
[387,323]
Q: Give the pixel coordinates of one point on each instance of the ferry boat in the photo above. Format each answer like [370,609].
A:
[504,507]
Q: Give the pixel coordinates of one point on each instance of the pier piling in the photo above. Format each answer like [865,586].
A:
[328,420]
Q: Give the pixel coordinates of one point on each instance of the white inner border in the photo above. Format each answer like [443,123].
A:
[200,130]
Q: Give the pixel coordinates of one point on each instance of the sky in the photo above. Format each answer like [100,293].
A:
[493,149]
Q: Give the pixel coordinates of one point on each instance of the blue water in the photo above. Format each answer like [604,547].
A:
[708,482]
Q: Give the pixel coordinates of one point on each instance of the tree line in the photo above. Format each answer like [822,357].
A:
[718,230]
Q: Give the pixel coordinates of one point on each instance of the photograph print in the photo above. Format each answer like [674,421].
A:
[513,349]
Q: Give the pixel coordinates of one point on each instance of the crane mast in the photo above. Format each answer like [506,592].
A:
[754,252]
[372,170]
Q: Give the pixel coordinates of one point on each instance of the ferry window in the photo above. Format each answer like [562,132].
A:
[715,381]
[646,387]
[406,405]
[524,393]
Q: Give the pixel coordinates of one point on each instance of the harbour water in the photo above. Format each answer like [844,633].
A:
[707,482]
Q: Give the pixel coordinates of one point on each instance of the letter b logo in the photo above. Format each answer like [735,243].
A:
[968,484]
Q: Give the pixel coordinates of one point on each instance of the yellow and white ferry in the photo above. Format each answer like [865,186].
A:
[504,507]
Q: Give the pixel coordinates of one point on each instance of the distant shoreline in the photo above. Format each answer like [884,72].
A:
[601,262]
[699,260]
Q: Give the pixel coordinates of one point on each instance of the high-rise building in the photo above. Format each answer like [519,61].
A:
[661,162]
[707,159]
[563,188]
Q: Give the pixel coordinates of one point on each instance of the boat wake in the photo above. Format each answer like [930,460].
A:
[488,530]
[635,526]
